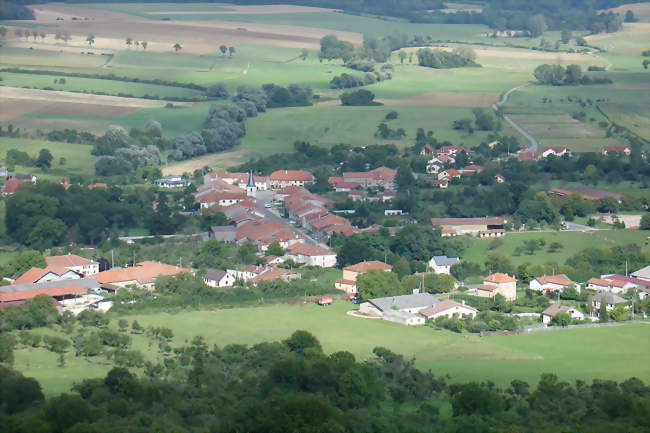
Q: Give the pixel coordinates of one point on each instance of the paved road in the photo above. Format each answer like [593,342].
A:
[271,214]
[533,144]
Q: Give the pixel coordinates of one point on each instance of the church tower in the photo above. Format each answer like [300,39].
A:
[251,188]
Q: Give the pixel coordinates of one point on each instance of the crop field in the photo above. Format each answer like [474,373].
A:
[572,241]
[77,158]
[572,354]
[633,116]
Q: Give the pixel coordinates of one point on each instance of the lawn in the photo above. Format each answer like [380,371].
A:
[572,354]
[11,56]
[78,160]
[573,242]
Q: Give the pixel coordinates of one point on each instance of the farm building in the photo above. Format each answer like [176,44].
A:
[143,275]
[483,227]
[61,291]
[443,264]
[550,312]
[74,263]
[43,275]
[642,274]
[222,233]
[449,309]
[399,309]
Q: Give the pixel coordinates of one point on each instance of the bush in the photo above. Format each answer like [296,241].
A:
[361,97]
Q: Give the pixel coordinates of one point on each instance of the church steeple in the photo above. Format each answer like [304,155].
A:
[251,188]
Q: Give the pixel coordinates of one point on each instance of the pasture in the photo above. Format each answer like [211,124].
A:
[572,354]
[68,159]
[573,242]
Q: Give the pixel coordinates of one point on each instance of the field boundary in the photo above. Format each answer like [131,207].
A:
[533,329]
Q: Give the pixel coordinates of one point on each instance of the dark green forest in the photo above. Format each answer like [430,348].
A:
[293,386]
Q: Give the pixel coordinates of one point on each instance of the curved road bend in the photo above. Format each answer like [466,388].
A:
[534,145]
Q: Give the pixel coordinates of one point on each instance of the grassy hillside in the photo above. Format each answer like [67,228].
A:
[572,354]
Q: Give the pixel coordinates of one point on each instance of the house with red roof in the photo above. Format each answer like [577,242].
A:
[624,150]
[348,282]
[380,176]
[553,310]
[427,149]
[448,309]
[498,284]
[553,283]
[74,263]
[283,178]
[608,285]
[60,291]
[312,255]
[49,273]
[449,174]
[470,170]
[528,156]
[143,275]
[11,186]
[452,150]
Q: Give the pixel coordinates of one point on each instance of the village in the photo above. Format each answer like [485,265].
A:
[278,212]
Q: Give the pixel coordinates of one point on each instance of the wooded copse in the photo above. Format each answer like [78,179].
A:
[225,125]
[558,75]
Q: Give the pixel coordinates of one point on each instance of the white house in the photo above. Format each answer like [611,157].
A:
[555,150]
[403,318]
[219,278]
[554,283]
[607,285]
[312,255]
[550,312]
[172,182]
[443,264]
[74,263]
[609,299]
[449,309]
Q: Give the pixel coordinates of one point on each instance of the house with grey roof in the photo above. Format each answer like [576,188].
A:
[411,304]
[219,278]
[609,299]
[443,264]
[223,233]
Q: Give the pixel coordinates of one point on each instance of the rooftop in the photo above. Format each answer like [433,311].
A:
[498,277]
[420,300]
[444,306]
[68,260]
[368,266]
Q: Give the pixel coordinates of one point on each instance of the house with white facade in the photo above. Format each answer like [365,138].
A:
[312,255]
[449,309]
[219,278]
[74,263]
[553,283]
[550,312]
[443,264]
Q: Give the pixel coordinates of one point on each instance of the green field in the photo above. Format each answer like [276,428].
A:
[573,242]
[572,354]
[78,160]
[93,85]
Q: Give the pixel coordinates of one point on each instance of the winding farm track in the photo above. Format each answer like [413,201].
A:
[534,144]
